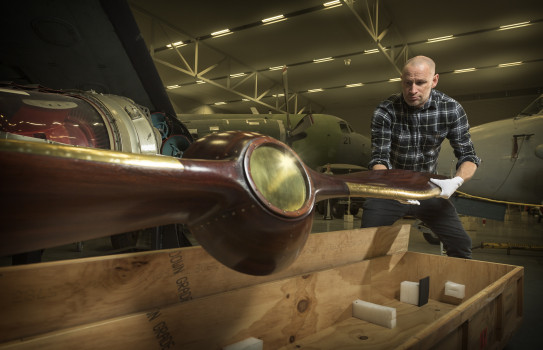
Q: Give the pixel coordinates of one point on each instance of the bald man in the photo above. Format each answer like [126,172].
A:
[407,130]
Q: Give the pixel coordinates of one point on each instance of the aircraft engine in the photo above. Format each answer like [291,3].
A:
[86,119]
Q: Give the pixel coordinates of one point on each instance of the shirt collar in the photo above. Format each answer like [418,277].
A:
[430,104]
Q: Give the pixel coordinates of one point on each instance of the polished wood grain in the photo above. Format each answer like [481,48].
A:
[57,194]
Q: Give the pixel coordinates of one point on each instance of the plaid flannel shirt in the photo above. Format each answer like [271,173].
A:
[405,137]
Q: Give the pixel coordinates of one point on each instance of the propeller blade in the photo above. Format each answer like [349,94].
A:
[247,198]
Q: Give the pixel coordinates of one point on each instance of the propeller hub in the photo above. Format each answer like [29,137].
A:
[278,178]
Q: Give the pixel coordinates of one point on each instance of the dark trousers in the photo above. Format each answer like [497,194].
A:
[438,214]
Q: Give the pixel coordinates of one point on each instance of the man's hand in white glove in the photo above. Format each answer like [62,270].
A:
[448,186]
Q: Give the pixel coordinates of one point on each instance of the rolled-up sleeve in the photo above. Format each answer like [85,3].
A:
[460,139]
[380,138]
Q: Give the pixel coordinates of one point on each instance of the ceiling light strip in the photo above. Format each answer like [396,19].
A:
[514,26]
[320,60]
[221,33]
[441,38]
[176,44]
[273,19]
[465,70]
[511,64]
[332,4]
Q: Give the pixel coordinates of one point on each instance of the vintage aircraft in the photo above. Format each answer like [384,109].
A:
[510,172]
[512,158]
[318,139]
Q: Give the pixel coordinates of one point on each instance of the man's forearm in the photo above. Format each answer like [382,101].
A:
[466,170]
[379,167]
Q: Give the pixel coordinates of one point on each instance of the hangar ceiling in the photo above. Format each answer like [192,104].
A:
[64,44]
[360,44]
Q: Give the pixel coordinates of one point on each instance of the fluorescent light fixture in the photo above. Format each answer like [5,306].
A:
[394,79]
[354,85]
[441,38]
[245,99]
[278,95]
[221,33]
[332,4]
[169,87]
[367,52]
[237,75]
[320,60]
[176,44]
[200,82]
[219,103]
[511,64]
[273,19]
[276,68]
[516,25]
[465,70]
[314,90]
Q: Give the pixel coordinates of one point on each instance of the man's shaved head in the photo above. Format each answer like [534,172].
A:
[418,80]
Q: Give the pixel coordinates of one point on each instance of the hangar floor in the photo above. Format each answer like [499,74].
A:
[519,230]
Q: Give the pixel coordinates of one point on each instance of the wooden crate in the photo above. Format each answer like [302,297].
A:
[184,299]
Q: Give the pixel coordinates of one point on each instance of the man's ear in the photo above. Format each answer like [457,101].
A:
[434,80]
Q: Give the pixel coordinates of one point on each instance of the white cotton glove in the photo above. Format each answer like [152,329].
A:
[409,201]
[448,186]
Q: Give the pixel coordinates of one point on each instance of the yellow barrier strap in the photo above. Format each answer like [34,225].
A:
[497,201]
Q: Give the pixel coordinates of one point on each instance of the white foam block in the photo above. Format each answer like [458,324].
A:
[455,290]
[246,344]
[409,292]
[382,315]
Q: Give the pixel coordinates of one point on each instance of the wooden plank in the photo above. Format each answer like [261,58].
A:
[277,312]
[76,292]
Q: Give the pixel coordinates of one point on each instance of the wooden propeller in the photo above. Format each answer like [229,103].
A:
[247,198]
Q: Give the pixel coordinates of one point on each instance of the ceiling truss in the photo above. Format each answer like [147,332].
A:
[371,26]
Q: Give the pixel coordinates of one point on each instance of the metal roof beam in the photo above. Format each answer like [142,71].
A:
[371,26]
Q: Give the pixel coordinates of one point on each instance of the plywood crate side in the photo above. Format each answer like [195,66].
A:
[484,282]
[496,313]
[74,292]
[278,312]
[308,305]
[491,315]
